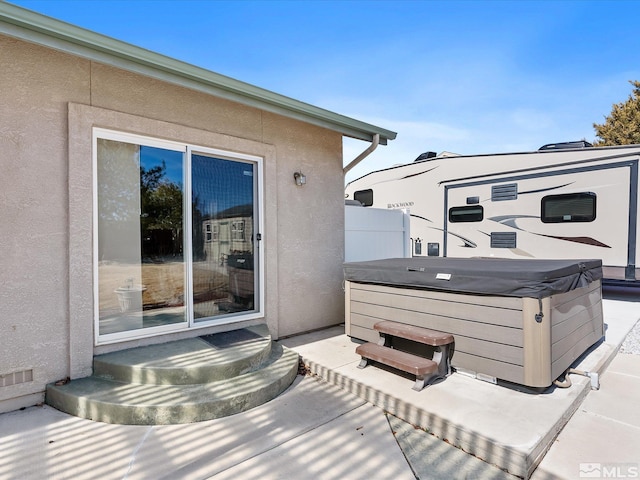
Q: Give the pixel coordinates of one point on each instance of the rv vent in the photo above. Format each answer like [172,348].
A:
[8,379]
[426,156]
[565,145]
[508,191]
[503,239]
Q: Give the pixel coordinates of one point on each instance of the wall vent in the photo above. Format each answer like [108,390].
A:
[508,191]
[503,239]
[8,379]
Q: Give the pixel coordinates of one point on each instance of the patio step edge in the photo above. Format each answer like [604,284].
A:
[104,400]
[188,361]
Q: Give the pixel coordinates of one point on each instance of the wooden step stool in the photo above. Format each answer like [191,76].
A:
[426,370]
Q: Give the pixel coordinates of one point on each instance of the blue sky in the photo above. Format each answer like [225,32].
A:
[462,76]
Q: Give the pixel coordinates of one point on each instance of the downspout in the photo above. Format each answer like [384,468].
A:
[374,144]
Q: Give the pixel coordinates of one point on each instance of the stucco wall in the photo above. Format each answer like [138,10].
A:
[310,228]
[47,98]
[36,85]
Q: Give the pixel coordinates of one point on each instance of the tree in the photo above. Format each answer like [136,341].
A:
[161,209]
[622,126]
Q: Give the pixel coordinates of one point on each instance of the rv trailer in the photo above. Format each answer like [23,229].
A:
[564,201]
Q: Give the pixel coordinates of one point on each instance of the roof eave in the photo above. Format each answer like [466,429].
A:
[46,31]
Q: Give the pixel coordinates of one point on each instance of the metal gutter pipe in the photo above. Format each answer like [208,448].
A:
[374,144]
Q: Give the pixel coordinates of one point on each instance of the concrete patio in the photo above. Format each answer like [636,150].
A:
[506,426]
[317,430]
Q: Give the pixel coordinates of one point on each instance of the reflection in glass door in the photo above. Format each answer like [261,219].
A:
[141,269]
[176,235]
[223,218]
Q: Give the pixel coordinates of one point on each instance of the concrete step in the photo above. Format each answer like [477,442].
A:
[191,361]
[250,373]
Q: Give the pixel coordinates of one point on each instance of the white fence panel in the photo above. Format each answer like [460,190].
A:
[375,233]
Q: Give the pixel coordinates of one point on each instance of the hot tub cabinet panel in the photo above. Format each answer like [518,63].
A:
[495,335]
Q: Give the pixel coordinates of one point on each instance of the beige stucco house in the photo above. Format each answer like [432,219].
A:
[114,161]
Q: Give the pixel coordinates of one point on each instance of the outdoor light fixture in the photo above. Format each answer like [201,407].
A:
[300,178]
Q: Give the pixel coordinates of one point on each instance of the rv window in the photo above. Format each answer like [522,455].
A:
[471,213]
[572,207]
[365,197]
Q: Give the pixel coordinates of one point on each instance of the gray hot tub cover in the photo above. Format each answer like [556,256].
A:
[482,276]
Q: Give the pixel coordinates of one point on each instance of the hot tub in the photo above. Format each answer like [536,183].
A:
[523,321]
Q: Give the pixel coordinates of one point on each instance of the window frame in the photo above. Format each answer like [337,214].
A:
[238,231]
[473,219]
[188,150]
[568,218]
[368,191]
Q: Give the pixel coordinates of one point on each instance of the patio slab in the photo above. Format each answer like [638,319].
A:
[312,430]
[604,434]
[505,426]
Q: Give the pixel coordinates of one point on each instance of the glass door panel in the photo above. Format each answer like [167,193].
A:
[223,219]
[141,269]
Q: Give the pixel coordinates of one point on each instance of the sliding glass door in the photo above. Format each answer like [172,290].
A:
[176,232]
[223,216]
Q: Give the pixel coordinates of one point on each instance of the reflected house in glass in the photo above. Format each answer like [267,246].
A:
[229,232]
[227,240]
[151,200]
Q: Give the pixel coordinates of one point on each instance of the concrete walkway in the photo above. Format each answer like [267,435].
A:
[316,430]
[313,430]
[602,439]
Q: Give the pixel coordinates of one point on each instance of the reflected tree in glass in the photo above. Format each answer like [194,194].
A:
[141,271]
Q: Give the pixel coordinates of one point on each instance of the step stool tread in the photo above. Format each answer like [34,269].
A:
[417,334]
[407,362]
